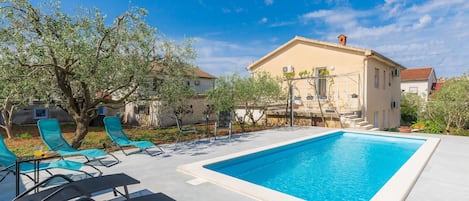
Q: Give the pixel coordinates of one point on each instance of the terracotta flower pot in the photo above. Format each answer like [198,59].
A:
[405,129]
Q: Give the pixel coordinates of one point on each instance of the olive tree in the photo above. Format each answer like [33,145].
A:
[172,88]
[248,93]
[15,91]
[84,59]
[411,107]
[450,106]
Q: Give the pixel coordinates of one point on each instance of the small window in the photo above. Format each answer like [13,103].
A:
[101,110]
[321,82]
[142,109]
[384,79]
[41,113]
[376,78]
[414,90]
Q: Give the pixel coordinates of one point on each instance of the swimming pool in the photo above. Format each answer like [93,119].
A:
[333,166]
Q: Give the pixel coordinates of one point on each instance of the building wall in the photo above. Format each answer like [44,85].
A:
[201,85]
[379,98]
[420,87]
[347,65]
[154,114]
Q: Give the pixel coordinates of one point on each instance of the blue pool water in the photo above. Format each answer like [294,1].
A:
[339,166]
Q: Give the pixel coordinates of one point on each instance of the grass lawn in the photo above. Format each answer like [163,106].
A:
[28,136]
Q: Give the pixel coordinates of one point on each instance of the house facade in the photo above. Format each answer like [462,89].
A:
[420,81]
[152,113]
[337,81]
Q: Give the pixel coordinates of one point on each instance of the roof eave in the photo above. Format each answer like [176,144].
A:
[380,57]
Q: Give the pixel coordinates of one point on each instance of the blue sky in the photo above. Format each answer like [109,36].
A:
[232,34]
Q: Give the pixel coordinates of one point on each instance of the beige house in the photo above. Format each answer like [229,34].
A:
[359,87]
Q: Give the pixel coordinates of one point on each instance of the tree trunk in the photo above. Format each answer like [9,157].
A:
[448,126]
[7,116]
[81,130]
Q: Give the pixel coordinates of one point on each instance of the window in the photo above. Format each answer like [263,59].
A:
[321,82]
[414,90]
[101,110]
[142,109]
[390,77]
[376,78]
[384,79]
[375,119]
[41,113]
[384,119]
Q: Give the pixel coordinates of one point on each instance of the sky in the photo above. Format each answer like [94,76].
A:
[229,35]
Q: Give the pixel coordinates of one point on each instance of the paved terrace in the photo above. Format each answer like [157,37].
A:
[446,176]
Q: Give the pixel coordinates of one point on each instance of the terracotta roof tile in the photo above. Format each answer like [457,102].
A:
[415,74]
[202,74]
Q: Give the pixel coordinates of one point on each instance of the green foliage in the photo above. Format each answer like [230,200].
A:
[449,107]
[223,95]
[411,105]
[25,135]
[257,91]
[418,125]
[77,61]
[432,127]
[303,73]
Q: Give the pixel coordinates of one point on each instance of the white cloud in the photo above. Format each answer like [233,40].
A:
[423,21]
[263,20]
[406,33]
[222,58]
[268,2]
[281,24]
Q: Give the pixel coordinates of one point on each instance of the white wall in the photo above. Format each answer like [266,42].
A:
[423,88]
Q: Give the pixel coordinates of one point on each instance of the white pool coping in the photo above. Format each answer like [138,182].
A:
[397,188]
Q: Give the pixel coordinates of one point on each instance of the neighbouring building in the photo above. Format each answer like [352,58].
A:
[421,81]
[340,84]
[151,113]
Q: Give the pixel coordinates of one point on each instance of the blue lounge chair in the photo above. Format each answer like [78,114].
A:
[116,133]
[8,162]
[51,135]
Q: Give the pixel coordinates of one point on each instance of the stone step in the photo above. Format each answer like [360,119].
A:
[357,120]
[367,127]
[362,123]
[351,116]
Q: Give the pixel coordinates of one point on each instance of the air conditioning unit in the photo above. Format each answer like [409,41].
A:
[287,69]
[393,104]
[396,73]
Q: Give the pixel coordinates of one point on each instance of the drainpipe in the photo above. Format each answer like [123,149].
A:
[368,53]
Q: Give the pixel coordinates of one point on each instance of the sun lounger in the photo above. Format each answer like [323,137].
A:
[116,133]
[8,161]
[84,188]
[51,135]
[152,197]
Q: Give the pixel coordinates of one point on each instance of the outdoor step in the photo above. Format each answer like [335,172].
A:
[357,120]
[367,127]
[362,123]
[374,129]
[350,116]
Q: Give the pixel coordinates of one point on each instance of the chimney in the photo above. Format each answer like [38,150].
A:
[342,39]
